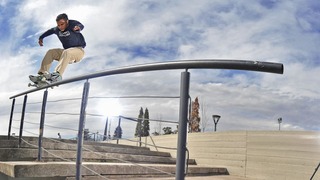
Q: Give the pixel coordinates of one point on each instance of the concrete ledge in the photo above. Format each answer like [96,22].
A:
[20,169]
[23,154]
[94,146]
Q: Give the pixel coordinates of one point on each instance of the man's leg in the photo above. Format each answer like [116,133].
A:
[52,54]
[69,56]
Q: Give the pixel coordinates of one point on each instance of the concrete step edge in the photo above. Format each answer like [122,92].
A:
[67,169]
[18,154]
[101,147]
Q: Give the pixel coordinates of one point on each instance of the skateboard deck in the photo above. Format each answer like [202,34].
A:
[41,82]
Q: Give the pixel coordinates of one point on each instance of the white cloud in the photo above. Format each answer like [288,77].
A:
[121,33]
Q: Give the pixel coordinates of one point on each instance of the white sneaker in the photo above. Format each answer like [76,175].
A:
[37,78]
[55,77]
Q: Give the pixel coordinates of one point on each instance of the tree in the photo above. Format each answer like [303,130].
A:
[167,130]
[139,124]
[86,135]
[145,123]
[118,132]
[194,122]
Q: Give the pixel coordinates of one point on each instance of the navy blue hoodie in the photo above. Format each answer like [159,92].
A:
[68,37]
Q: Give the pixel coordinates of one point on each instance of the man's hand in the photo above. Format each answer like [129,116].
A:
[40,42]
[76,28]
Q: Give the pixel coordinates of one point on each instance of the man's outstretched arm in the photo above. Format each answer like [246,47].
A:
[45,34]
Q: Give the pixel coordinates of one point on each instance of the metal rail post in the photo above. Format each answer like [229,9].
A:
[118,133]
[84,102]
[183,120]
[42,117]
[315,171]
[11,116]
[22,117]
[105,130]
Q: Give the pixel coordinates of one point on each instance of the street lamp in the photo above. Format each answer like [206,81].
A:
[279,121]
[215,120]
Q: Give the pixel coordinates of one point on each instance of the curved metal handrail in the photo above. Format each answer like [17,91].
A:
[169,65]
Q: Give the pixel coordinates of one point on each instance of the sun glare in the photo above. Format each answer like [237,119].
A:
[109,107]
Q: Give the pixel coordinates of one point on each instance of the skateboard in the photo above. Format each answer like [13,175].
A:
[38,81]
[38,84]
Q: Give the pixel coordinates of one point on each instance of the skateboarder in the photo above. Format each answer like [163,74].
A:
[73,42]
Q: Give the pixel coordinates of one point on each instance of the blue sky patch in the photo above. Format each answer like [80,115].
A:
[7,14]
[137,51]
[269,4]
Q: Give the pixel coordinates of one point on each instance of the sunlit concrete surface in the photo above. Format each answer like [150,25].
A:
[270,155]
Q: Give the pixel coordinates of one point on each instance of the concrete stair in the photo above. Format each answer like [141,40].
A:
[66,170]
[108,160]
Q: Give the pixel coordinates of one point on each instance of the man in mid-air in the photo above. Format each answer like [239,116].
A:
[73,42]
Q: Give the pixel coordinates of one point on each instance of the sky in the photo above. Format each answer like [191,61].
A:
[122,33]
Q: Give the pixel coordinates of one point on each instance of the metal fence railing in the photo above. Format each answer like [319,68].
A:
[185,65]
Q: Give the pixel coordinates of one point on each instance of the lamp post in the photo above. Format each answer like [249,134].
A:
[279,121]
[215,120]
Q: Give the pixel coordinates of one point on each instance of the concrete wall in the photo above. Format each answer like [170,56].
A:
[272,155]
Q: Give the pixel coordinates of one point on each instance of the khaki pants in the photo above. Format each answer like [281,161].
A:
[64,56]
